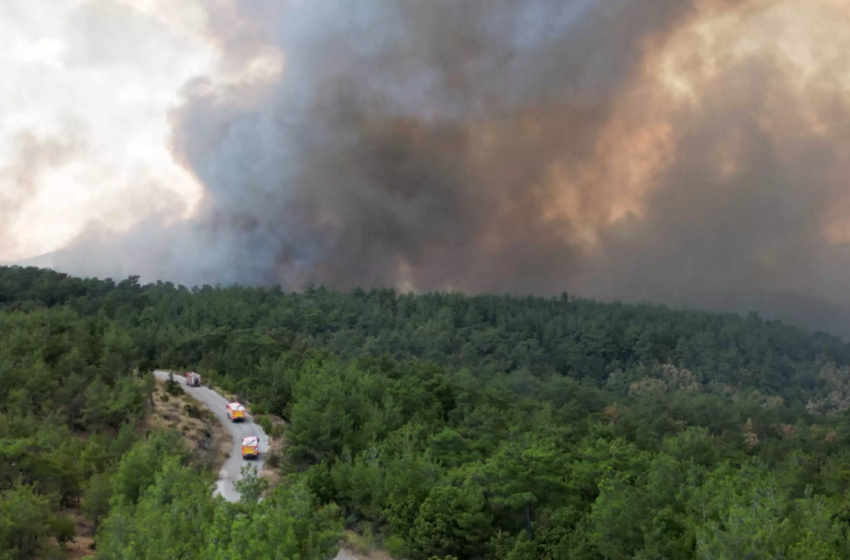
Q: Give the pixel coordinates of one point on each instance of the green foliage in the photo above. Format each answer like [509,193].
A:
[447,426]
[176,518]
[251,486]
[276,431]
[452,521]
[68,410]
[192,410]
[26,521]
[264,423]
[139,466]
[172,387]
[97,498]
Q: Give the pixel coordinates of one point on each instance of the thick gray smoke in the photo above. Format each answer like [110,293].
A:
[497,145]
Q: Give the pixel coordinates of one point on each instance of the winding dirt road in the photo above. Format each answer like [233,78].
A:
[231,470]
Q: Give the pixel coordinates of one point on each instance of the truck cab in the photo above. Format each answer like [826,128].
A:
[235,412]
[193,379]
[250,447]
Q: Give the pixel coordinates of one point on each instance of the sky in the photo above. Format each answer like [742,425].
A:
[85,94]
[681,151]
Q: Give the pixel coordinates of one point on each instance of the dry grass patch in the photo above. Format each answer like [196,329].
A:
[187,415]
[207,438]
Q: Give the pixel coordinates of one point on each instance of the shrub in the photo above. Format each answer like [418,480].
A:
[264,422]
[273,460]
[193,411]
[172,387]
[63,528]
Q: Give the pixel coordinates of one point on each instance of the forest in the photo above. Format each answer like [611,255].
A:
[440,426]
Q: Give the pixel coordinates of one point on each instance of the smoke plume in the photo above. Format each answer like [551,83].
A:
[687,151]
[33,156]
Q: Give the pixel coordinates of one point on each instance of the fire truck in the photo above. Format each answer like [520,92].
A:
[250,447]
[235,412]
[193,379]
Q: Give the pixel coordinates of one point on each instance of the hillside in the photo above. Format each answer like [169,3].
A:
[446,426]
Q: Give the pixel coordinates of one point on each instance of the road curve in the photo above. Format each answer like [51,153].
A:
[231,470]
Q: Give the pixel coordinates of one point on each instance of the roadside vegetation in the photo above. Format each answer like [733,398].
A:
[437,426]
[173,409]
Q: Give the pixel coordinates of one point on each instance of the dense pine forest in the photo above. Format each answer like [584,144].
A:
[441,426]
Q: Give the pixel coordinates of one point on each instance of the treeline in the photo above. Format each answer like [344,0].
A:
[499,427]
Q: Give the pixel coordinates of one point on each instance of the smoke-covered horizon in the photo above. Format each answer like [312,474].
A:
[687,152]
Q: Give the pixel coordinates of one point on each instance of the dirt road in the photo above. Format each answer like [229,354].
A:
[231,470]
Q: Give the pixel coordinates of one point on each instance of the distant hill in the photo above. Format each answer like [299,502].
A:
[47,260]
[808,313]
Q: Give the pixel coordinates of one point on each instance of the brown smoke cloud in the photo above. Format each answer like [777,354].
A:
[681,151]
[746,210]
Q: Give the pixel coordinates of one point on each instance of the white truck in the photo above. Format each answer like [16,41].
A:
[193,379]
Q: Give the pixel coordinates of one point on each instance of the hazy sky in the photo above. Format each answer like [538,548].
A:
[85,90]
[691,151]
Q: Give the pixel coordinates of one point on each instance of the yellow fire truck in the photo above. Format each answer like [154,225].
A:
[250,447]
[235,412]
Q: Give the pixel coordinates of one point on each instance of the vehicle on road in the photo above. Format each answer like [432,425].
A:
[250,447]
[235,412]
[193,379]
